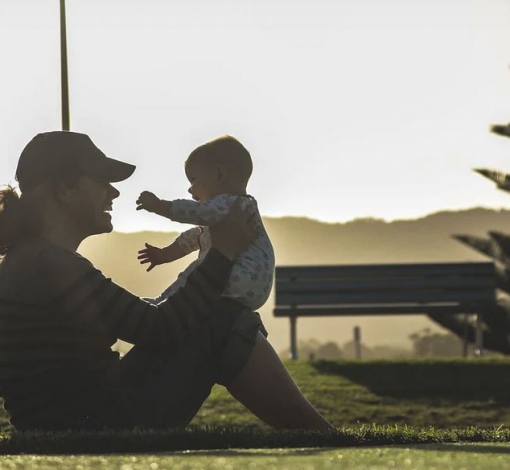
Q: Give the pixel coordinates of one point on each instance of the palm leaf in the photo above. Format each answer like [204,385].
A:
[501,129]
[502,180]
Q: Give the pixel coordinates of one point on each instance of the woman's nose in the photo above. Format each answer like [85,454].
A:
[113,192]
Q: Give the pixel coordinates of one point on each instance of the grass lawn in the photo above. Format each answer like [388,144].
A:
[425,457]
[421,393]
[432,414]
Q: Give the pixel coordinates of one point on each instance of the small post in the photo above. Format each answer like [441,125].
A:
[293,337]
[357,342]
[479,335]
[465,342]
[64,82]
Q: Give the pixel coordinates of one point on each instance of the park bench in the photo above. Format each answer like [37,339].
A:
[384,289]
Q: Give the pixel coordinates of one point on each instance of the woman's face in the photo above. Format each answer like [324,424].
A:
[89,203]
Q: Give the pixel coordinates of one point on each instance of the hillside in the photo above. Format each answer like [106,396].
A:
[306,241]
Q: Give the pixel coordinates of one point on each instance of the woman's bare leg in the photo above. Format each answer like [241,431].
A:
[265,387]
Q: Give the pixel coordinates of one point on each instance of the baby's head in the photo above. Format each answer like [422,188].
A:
[222,165]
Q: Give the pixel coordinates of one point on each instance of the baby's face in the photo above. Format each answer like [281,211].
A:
[203,182]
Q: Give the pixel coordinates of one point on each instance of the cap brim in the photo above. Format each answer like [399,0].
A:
[116,171]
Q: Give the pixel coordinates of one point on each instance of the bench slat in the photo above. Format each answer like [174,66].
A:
[370,285]
[334,298]
[378,270]
[356,310]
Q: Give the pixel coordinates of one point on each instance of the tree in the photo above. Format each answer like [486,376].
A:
[428,344]
[314,349]
[496,323]
[349,349]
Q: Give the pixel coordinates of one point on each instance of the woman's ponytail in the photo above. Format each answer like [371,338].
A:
[12,223]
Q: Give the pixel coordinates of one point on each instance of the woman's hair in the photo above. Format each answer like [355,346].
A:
[17,221]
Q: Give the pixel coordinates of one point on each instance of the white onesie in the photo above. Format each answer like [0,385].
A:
[252,274]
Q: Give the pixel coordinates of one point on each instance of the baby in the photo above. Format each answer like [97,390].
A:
[218,172]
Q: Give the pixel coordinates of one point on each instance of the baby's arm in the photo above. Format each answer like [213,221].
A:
[204,213]
[156,256]
[184,244]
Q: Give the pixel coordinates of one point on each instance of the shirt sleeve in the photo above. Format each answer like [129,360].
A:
[202,212]
[83,294]
[188,241]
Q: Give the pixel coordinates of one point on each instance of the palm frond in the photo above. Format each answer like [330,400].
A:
[501,179]
[501,129]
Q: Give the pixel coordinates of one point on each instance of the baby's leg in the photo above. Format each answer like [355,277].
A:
[265,387]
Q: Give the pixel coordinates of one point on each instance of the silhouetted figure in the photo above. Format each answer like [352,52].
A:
[60,315]
[218,172]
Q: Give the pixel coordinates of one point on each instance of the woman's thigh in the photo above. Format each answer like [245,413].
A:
[156,388]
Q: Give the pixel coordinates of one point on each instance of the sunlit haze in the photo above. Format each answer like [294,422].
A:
[350,108]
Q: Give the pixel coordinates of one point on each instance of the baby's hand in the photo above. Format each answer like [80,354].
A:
[148,201]
[151,254]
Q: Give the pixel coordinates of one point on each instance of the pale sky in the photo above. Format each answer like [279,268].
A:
[350,108]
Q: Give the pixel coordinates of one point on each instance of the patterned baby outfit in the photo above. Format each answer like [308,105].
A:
[252,275]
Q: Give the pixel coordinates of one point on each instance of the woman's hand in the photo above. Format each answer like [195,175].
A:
[235,232]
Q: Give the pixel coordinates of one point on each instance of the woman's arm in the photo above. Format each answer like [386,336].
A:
[81,293]
[96,301]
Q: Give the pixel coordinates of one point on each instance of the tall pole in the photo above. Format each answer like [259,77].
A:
[63,68]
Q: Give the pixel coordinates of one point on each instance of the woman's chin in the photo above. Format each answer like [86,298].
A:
[105,224]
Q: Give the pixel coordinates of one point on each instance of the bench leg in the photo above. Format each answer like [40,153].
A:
[293,338]
[465,341]
[479,335]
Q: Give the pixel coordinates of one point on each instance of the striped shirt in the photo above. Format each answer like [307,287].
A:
[59,317]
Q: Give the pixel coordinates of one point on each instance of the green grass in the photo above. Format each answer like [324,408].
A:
[410,402]
[421,393]
[451,457]
[202,438]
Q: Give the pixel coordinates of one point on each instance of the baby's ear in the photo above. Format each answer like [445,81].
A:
[221,173]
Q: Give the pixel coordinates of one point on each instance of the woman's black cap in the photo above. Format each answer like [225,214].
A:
[52,154]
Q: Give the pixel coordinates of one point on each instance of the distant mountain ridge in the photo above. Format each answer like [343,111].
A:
[306,241]
[376,241]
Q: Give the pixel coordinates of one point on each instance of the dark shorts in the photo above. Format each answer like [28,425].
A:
[158,388]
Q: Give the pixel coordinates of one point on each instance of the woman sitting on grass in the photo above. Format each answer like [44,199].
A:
[59,315]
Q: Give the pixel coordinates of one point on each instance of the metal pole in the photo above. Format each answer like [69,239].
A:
[63,68]
[293,337]
[479,335]
[465,341]
[357,342]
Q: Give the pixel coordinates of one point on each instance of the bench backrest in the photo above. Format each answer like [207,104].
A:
[384,288]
